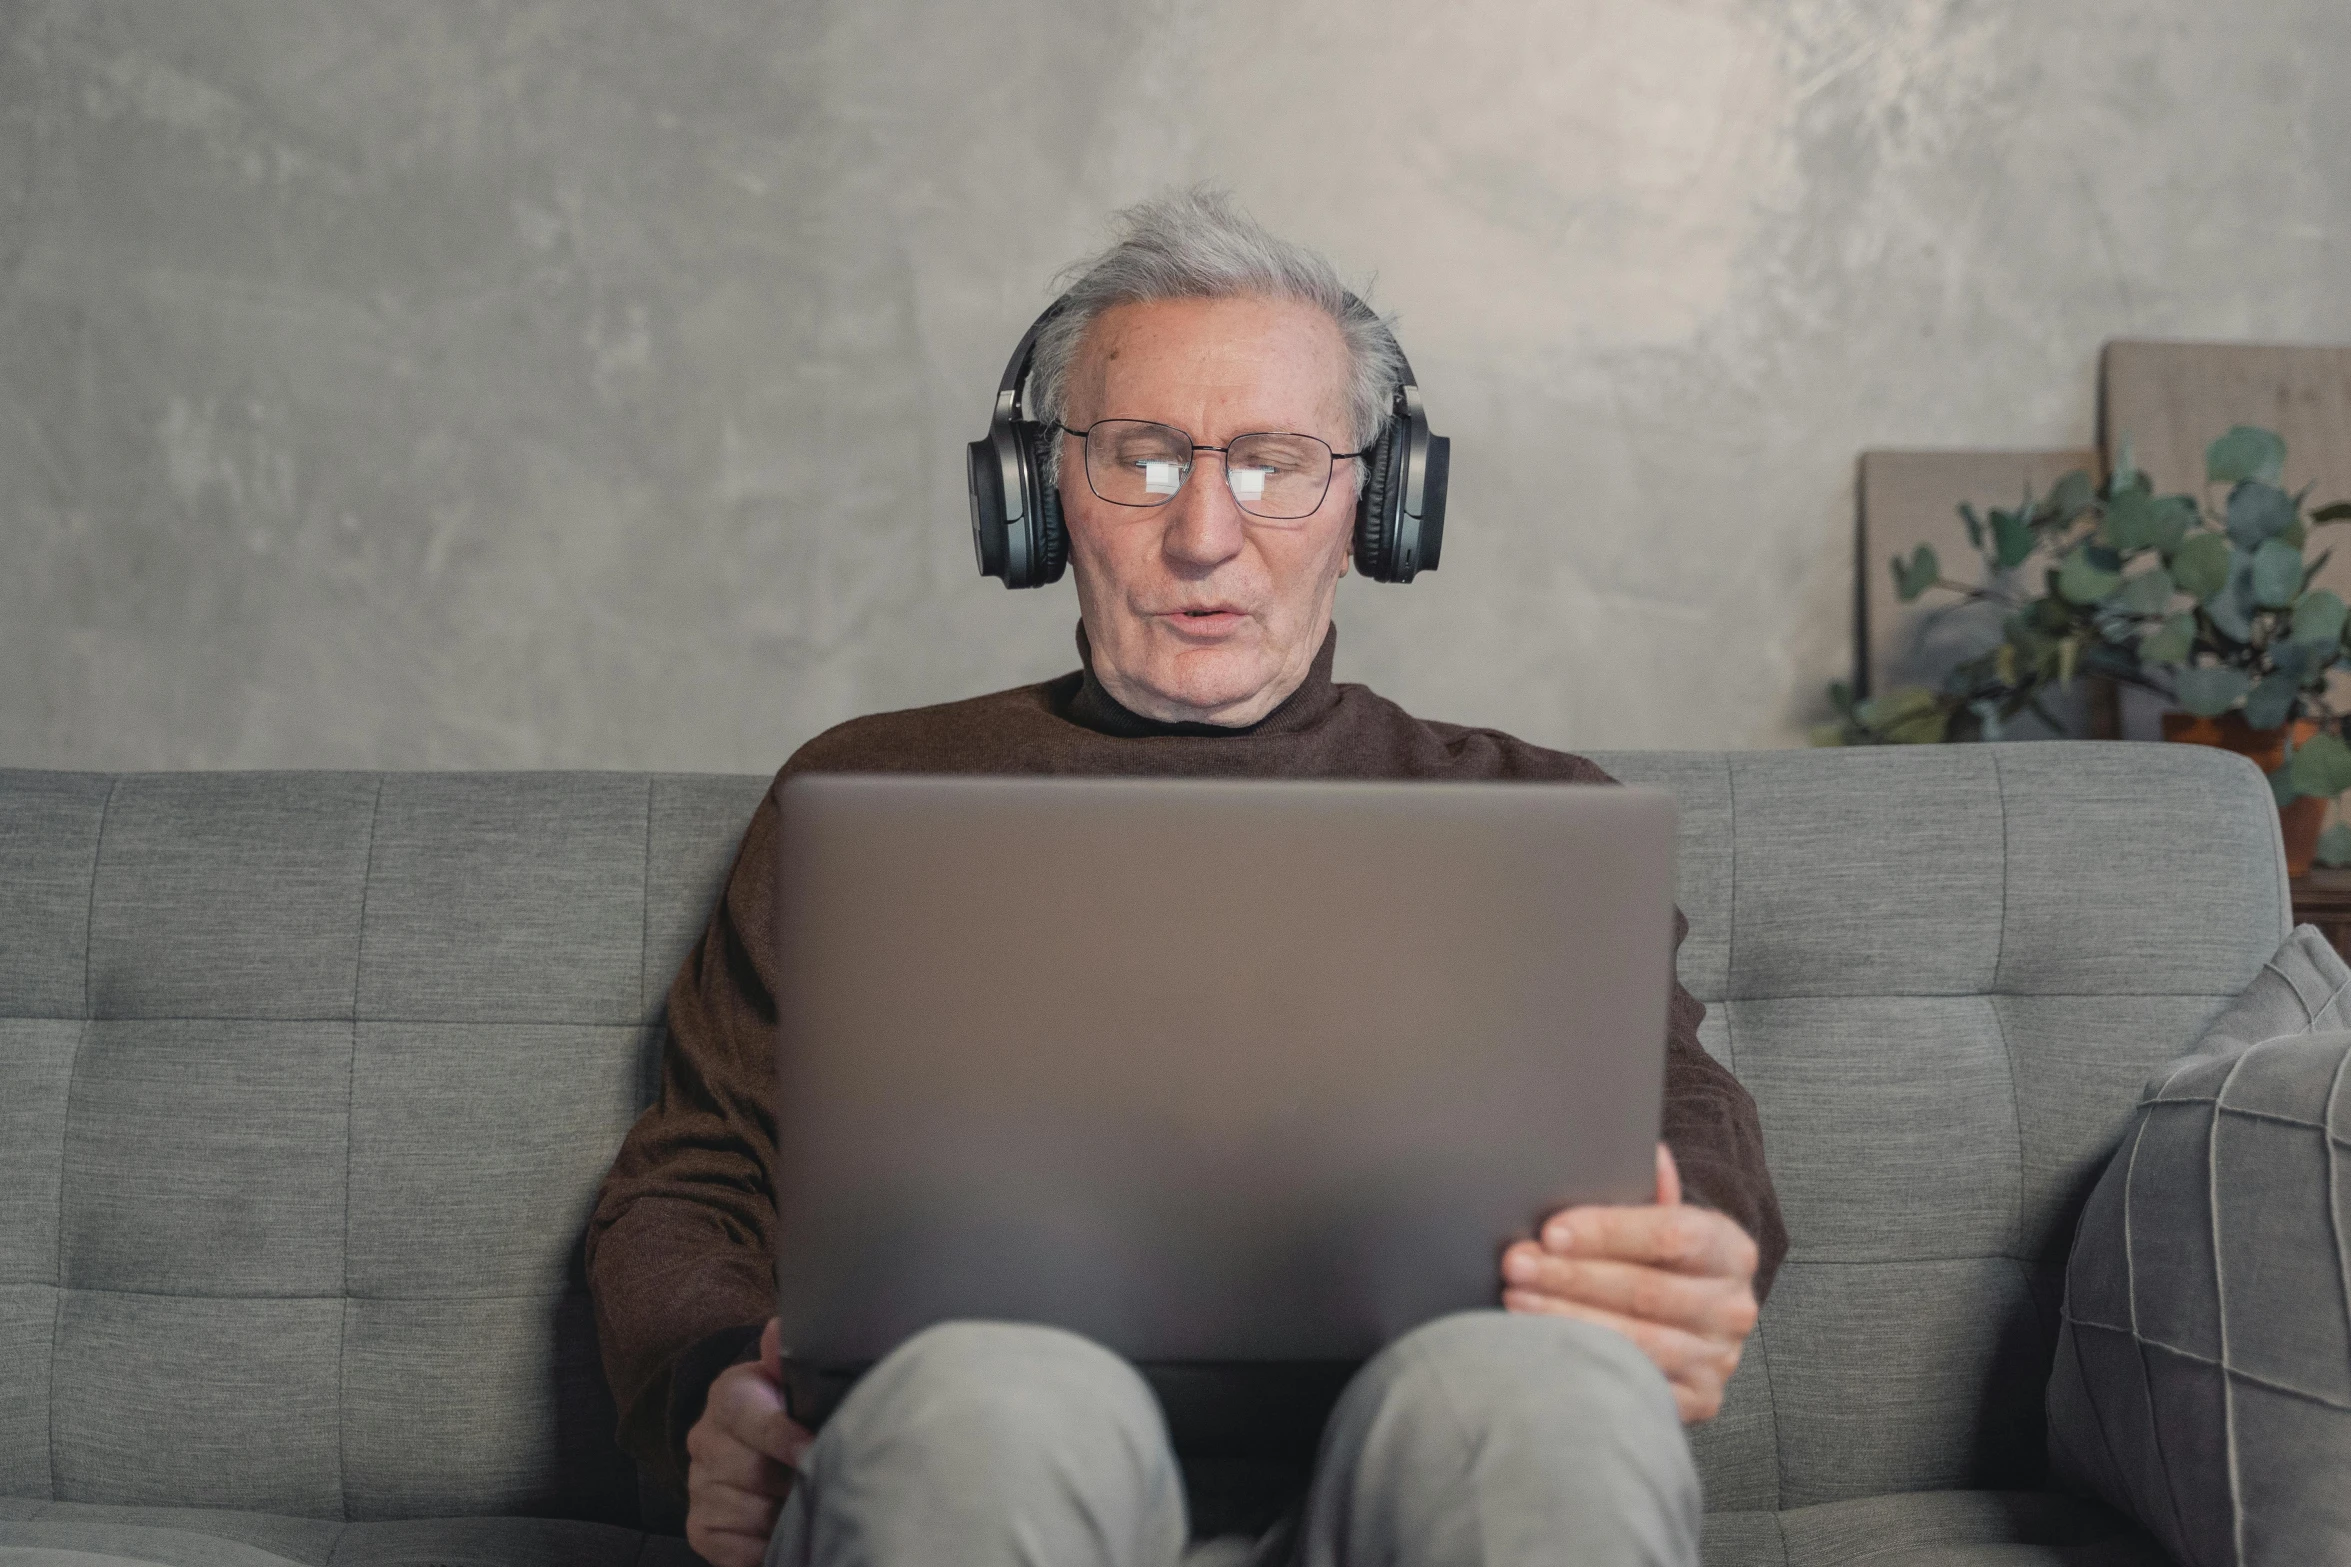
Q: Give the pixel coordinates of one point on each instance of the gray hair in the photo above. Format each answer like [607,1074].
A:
[1194,244]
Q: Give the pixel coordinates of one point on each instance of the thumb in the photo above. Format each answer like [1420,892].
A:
[1669,1179]
[771,1350]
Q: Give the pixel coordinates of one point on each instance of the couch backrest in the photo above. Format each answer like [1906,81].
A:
[307,1080]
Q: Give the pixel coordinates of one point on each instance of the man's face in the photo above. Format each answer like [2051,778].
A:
[1197,610]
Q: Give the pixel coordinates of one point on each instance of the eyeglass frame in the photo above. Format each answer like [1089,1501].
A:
[1222,451]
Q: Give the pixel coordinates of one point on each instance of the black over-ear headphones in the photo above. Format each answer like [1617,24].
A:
[1016,527]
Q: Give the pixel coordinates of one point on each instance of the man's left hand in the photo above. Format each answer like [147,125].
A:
[1678,1281]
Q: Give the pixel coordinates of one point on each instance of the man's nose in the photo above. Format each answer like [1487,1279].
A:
[1204,523]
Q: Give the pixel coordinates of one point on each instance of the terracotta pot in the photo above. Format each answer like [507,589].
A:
[2299,822]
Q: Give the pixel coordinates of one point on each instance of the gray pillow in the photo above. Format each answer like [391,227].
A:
[2203,1376]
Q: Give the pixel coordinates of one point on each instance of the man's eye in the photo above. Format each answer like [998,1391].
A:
[1279,459]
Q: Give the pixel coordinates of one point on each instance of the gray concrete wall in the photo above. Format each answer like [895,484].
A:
[583,383]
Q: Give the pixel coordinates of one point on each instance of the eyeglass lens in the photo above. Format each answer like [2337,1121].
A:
[1130,462]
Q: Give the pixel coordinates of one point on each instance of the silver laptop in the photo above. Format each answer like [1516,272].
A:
[1206,1070]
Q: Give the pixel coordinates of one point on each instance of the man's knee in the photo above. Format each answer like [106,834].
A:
[1002,1381]
[1524,1371]
[986,1442]
[1500,1438]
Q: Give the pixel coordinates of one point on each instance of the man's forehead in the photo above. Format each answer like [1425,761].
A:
[1273,357]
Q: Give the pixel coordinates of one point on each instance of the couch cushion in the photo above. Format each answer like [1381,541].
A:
[2203,1379]
[205,1537]
[1931,1529]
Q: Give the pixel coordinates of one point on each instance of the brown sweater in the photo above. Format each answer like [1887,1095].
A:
[680,1249]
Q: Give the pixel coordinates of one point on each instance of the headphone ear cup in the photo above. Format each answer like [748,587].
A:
[1050,541]
[1375,532]
[984,481]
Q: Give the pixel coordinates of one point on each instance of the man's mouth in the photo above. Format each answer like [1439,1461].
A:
[1205,620]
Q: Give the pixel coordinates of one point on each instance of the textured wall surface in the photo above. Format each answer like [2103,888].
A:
[583,382]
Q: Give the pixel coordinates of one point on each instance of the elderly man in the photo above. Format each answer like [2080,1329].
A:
[1546,1431]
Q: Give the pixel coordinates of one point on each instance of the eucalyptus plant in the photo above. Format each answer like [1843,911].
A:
[2205,601]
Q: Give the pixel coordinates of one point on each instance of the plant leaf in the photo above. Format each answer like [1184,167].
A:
[2148,593]
[2318,618]
[2334,846]
[2174,516]
[2012,538]
[2172,643]
[1906,715]
[2277,574]
[1975,525]
[2211,690]
[2272,702]
[2126,467]
[2321,766]
[2338,512]
[1920,572]
[2231,609]
[2072,494]
[2200,566]
[2228,617]
[2258,512]
[2083,581]
[2246,452]
[2131,521]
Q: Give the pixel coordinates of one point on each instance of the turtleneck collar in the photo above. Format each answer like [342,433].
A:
[1093,707]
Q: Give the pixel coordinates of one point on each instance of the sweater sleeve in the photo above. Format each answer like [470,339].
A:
[681,1246]
[1716,1138]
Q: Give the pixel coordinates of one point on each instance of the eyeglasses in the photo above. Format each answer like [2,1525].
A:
[1278,476]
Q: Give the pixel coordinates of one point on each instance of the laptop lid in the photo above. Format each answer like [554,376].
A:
[1215,1070]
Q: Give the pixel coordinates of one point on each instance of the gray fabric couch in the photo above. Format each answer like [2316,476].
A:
[307,1080]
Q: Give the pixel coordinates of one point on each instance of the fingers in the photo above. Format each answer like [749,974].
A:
[1676,1280]
[1697,1369]
[771,1348]
[1711,1307]
[725,1549]
[716,1457]
[1681,1238]
[746,1406]
[740,1456]
[733,1495]
[727,1525]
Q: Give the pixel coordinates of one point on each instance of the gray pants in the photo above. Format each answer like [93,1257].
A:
[1478,1440]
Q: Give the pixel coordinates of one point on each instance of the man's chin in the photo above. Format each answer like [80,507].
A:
[1213,686]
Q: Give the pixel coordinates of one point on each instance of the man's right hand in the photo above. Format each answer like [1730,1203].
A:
[740,1457]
